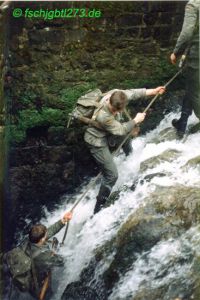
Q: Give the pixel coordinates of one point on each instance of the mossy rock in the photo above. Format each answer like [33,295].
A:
[115,196]
[167,214]
[140,233]
[195,128]
[75,291]
[56,135]
[167,134]
[149,294]
[168,155]
[192,163]
[177,290]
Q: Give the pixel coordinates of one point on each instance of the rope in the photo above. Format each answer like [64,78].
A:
[154,99]
[93,181]
[90,185]
[146,109]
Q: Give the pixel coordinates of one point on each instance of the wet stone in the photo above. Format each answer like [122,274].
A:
[167,134]
[192,163]
[152,162]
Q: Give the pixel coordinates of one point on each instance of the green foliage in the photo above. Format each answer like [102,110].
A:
[161,72]
[47,116]
[30,117]
[15,135]
[58,99]
[26,98]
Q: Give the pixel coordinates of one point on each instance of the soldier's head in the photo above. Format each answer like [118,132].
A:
[118,101]
[38,233]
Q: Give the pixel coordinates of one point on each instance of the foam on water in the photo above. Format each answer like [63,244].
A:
[149,268]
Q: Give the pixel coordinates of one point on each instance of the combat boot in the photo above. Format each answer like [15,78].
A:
[181,124]
[103,195]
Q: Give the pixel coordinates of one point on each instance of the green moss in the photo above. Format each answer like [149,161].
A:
[49,103]
[152,72]
[52,116]
[15,135]
[71,94]
[30,118]
[27,98]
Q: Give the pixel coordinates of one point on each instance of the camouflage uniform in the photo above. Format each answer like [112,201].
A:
[189,37]
[113,131]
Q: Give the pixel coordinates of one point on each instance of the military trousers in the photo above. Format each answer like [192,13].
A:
[191,100]
[104,158]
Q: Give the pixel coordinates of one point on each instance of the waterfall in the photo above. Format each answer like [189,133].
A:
[166,262]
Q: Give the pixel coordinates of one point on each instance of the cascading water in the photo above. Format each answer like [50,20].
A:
[168,263]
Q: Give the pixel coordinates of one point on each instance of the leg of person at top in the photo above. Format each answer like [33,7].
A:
[104,158]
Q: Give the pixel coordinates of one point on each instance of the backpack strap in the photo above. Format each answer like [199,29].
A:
[97,111]
[93,121]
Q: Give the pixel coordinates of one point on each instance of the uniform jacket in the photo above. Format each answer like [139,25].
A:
[43,256]
[189,35]
[111,124]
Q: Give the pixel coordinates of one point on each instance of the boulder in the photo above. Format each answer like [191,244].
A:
[167,134]
[74,291]
[195,128]
[192,163]
[168,155]
[167,213]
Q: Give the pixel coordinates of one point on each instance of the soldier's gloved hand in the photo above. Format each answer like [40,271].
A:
[67,217]
[139,117]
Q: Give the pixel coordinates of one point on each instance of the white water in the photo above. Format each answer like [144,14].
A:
[161,260]
[86,234]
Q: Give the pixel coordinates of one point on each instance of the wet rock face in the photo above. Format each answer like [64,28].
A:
[137,238]
[167,134]
[194,163]
[52,162]
[150,163]
[184,292]
[88,287]
[38,176]
[75,291]
[167,214]
[195,128]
